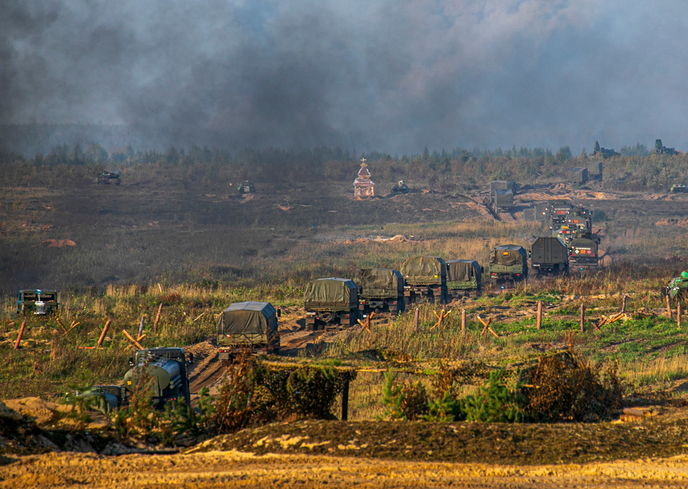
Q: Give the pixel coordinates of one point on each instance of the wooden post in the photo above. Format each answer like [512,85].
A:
[61,325]
[143,319]
[132,340]
[623,304]
[21,333]
[463,322]
[668,306]
[582,318]
[415,321]
[345,401]
[157,318]
[539,315]
[102,335]
[678,314]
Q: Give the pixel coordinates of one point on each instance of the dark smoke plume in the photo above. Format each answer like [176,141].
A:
[388,75]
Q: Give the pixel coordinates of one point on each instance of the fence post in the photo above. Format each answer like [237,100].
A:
[463,322]
[539,315]
[415,321]
[157,318]
[21,333]
[623,304]
[143,319]
[678,314]
[582,318]
[668,306]
[345,400]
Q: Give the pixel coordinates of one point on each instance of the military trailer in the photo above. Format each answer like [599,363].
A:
[426,279]
[578,176]
[583,252]
[502,200]
[37,301]
[109,177]
[549,255]
[164,369]
[595,170]
[330,302]
[247,326]
[464,277]
[508,263]
[380,289]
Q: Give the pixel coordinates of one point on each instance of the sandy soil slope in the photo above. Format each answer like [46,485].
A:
[237,469]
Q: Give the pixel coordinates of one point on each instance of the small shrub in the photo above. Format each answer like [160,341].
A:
[495,402]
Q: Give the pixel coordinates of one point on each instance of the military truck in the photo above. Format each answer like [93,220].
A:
[246,187]
[503,185]
[400,188]
[508,263]
[426,279]
[109,177]
[380,289]
[247,326]
[558,210]
[330,302]
[583,252]
[549,255]
[464,277]
[165,370]
[502,200]
[37,301]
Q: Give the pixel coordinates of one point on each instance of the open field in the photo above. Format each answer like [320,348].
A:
[196,247]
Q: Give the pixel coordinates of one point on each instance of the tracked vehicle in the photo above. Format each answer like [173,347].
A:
[426,279]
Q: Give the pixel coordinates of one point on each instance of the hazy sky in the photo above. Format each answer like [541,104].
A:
[390,75]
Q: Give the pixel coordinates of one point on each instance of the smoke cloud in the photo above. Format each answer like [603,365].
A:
[385,75]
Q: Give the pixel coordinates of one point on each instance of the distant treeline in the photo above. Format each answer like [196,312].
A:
[457,169]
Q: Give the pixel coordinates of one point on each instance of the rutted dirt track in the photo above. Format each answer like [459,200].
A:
[236,469]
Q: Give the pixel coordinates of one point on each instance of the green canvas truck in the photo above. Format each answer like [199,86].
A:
[549,255]
[508,263]
[464,277]
[380,289]
[248,326]
[331,302]
[426,279]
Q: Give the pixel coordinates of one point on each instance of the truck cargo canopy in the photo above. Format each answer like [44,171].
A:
[508,255]
[380,282]
[247,318]
[330,292]
[424,270]
[462,270]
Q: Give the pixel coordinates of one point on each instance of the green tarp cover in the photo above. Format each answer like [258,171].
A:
[330,293]
[247,318]
[462,270]
[424,270]
[508,255]
[380,283]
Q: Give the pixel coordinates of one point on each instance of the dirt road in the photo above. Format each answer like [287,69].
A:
[236,469]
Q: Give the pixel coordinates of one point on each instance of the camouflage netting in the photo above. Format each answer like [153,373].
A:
[564,387]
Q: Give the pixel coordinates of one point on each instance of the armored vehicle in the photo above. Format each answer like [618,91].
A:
[247,326]
[604,152]
[508,263]
[679,188]
[463,278]
[380,289]
[660,149]
[330,301]
[677,290]
[165,371]
[583,252]
[549,255]
[246,187]
[109,177]
[37,301]
[426,279]
[502,200]
[400,188]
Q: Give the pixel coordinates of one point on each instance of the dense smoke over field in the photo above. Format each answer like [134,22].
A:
[388,75]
